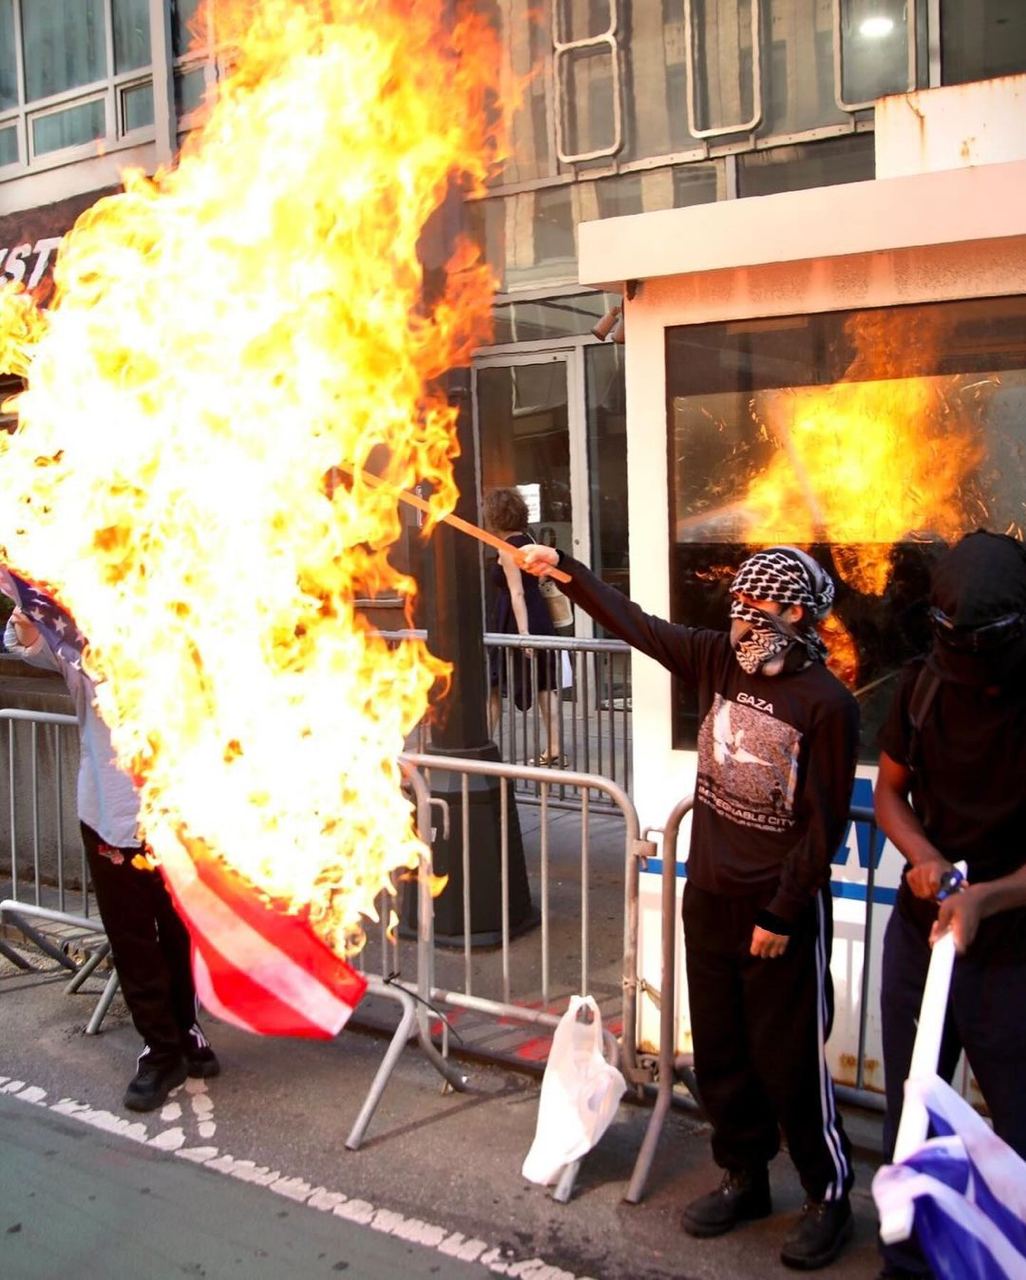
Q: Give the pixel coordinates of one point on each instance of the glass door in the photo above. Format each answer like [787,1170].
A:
[530,435]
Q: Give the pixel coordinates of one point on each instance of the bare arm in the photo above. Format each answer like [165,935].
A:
[515,582]
[898,821]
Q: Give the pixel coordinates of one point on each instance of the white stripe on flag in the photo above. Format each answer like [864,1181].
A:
[208,994]
[994,1175]
[895,1186]
[260,960]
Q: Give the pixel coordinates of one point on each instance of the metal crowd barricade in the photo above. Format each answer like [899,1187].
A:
[413,1021]
[669,1067]
[420,996]
[460,994]
[28,893]
[593,692]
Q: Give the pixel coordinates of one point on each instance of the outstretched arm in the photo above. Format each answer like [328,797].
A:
[678,648]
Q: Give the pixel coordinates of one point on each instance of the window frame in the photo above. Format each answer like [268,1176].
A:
[110,90]
[911,56]
[562,53]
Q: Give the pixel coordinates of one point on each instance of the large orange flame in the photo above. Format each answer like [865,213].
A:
[868,461]
[223,335]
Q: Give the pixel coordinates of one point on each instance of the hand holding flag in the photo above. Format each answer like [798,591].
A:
[963,1191]
[965,1187]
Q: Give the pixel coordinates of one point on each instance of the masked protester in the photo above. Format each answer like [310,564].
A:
[950,788]
[776,758]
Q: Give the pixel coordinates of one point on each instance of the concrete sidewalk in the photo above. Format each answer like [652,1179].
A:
[439,1174]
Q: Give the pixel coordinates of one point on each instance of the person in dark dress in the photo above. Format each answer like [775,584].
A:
[520,609]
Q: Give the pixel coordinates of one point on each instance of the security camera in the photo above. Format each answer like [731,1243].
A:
[612,320]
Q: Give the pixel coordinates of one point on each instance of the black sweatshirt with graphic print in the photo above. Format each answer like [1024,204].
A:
[776,758]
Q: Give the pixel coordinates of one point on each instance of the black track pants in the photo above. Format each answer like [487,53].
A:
[149,946]
[759,1029]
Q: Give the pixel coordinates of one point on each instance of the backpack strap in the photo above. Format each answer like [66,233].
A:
[923,693]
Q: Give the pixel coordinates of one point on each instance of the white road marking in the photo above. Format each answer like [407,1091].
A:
[453,1244]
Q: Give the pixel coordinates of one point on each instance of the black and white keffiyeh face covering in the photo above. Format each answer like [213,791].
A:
[785,576]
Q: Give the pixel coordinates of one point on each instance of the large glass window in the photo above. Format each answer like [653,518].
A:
[64,44]
[193,48]
[529,238]
[8,57]
[981,39]
[586,68]
[84,75]
[871,437]
[725,58]
[524,441]
[183,22]
[131,35]
[874,48]
[798,71]
[849,158]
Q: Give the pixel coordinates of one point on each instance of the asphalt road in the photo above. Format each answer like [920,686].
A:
[247,1175]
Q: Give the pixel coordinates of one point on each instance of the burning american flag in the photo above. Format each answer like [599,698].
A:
[225,336]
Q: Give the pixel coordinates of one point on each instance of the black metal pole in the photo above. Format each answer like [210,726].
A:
[453,615]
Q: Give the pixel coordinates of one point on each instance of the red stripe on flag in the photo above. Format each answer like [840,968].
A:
[263,968]
[231,995]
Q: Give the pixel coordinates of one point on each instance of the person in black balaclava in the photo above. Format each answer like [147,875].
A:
[776,757]
[950,789]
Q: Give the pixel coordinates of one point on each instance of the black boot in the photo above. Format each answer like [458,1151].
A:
[822,1231]
[151,1084]
[740,1197]
[200,1059]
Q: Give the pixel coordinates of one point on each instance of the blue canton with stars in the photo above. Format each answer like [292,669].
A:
[56,626]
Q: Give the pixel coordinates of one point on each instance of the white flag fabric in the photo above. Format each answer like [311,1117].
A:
[968,1189]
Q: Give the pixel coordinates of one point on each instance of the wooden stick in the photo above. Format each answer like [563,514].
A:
[457,522]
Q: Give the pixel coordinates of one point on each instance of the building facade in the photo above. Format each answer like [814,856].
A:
[623,107]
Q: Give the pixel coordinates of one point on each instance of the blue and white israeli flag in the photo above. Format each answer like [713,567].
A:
[966,1190]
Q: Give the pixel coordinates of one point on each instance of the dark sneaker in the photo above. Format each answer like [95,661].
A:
[740,1197]
[823,1229]
[151,1084]
[200,1060]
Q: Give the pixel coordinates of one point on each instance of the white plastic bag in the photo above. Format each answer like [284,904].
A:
[579,1095]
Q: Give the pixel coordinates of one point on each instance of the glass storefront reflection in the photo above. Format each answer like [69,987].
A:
[874,437]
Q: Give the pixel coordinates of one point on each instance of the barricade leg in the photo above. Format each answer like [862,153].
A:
[103,1004]
[87,967]
[13,956]
[565,1186]
[400,1037]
